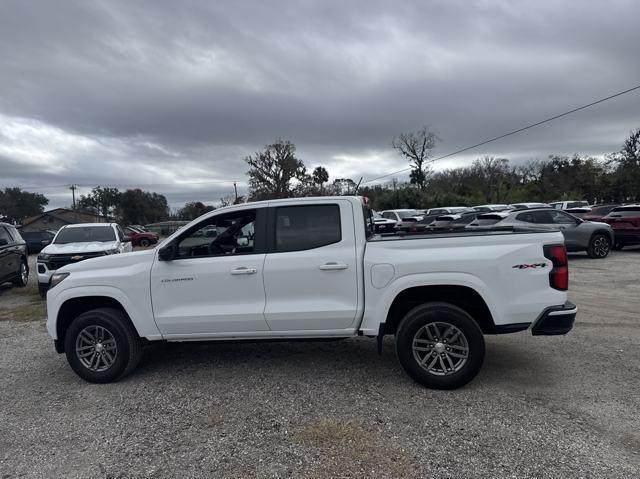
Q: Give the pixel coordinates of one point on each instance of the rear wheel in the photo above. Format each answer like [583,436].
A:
[22,278]
[440,346]
[101,345]
[599,246]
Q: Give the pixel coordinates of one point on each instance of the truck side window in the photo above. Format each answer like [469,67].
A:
[306,227]
[228,234]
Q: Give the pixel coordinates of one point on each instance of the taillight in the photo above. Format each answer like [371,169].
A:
[559,275]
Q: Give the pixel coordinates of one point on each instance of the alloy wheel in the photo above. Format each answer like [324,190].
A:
[440,348]
[601,246]
[24,274]
[96,348]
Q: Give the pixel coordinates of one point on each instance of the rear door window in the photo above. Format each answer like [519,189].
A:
[301,228]
[625,212]
[535,217]
[4,234]
[560,218]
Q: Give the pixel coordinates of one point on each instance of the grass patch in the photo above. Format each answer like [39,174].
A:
[32,311]
[347,449]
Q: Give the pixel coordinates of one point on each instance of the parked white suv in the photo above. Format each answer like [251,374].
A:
[78,242]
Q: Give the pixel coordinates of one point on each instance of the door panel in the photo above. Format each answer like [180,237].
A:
[7,259]
[204,295]
[215,283]
[315,288]
[568,226]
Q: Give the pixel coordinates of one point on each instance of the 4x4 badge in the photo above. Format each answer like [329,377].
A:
[528,266]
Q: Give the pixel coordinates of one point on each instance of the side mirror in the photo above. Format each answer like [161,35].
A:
[167,253]
[4,241]
[126,239]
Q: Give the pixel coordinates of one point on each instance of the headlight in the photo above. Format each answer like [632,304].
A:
[43,257]
[57,278]
[111,251]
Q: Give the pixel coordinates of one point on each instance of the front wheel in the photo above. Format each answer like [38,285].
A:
[144,242]
[599,246]
[102,346]
[22,278]
[440,346]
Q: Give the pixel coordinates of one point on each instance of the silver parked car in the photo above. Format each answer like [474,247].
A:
[593,237]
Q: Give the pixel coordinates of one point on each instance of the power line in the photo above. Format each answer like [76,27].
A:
[114,185]
[555,117]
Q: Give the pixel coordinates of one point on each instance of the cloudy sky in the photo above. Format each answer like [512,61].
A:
[170,96]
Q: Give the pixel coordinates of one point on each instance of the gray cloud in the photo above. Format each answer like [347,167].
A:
[174,92]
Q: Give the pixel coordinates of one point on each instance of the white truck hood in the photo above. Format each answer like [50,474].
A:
[71,248]
[113,261]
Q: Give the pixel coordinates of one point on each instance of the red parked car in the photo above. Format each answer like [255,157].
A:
[598,212]
[625,221]
[141,238]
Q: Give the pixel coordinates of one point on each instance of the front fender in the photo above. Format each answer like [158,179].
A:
[141,315]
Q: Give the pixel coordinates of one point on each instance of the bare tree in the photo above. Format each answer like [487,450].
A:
[272,171]
[417,147]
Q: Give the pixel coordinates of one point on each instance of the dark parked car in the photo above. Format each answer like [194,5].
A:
[141,238]
[579,235]
[14,265]
[36,240]
[625,221]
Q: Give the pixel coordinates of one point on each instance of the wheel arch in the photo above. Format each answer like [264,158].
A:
[74,307]
[607,233]
[463,297]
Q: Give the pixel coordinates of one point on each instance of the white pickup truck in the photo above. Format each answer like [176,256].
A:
[311,268]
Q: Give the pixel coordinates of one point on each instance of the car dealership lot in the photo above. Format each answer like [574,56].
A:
[566,407]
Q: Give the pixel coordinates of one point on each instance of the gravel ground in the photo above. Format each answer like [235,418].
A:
[543,407]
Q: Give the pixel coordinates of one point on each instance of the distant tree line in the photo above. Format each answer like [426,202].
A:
[16,205]
[276,172]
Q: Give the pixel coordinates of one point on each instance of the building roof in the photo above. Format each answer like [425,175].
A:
[56,213]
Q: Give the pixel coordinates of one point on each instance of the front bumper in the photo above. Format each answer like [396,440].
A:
[555,320]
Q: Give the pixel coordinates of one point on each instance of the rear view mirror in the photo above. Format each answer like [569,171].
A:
[167,253]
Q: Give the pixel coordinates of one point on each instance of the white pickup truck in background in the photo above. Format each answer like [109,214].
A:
[310,268]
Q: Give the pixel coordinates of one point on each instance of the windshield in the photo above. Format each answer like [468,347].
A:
[406,214]
[85,235]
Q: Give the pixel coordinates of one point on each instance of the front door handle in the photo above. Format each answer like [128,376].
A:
[244,270]
[332,266]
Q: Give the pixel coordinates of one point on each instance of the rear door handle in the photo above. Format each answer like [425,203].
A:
[244,270]
[332,266]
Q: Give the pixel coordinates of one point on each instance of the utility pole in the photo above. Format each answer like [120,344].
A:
[235,189]
[73,194]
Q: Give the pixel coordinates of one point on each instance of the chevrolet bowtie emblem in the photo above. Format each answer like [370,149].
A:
[76,258]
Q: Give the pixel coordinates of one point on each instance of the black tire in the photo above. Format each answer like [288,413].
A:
[617,246]
[22,276]
[128,350]
[436,315]
[599,246]
[144,242]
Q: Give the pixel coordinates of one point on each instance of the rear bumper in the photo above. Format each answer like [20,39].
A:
[555,320]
